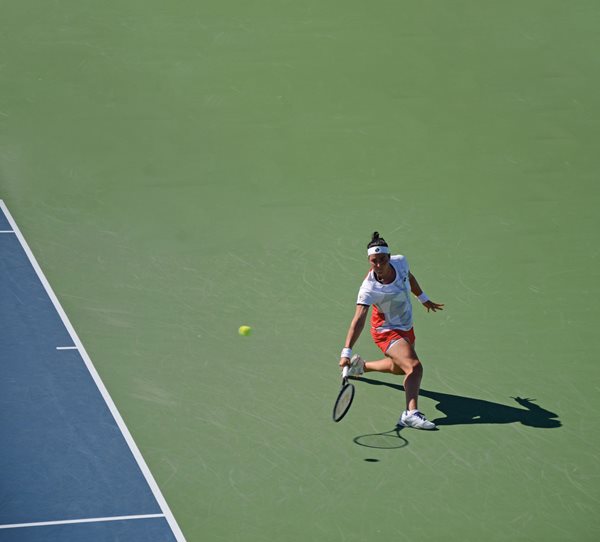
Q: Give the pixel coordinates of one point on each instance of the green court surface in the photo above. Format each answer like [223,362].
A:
[183,168]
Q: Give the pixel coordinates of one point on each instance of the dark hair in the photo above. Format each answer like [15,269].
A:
[377,241]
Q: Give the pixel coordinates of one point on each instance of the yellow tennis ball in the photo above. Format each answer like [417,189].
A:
[244,330]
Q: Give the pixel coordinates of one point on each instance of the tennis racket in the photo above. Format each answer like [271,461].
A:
[344,398]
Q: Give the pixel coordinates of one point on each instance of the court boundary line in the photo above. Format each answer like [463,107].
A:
[77,521]
[162,503]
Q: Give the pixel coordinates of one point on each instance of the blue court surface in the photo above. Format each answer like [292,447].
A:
[69,468]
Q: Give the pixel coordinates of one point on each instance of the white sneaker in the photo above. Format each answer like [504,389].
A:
[414,418]
[357,366]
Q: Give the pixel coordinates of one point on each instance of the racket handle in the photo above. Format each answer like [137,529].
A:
[345,371]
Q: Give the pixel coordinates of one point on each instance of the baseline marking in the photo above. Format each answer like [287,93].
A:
[66,348]
[101,388]
[6,231]
[72,521]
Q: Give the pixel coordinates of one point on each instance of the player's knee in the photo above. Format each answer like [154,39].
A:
[413,366]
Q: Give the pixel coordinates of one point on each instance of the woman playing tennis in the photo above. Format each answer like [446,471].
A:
[387,288]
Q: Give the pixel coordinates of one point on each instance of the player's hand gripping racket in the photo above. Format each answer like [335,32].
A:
[344,398]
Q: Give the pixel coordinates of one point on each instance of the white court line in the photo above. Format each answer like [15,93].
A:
[73,521]
[105,395]
[66,348]
[6,231]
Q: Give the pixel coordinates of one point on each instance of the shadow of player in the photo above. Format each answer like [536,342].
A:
[466,410]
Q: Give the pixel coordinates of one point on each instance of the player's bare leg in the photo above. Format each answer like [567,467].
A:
[405,359]
[385,365]
[401,358]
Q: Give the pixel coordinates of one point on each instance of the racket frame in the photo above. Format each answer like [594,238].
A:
[345,386]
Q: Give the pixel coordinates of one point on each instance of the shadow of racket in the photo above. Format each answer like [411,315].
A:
[389,440]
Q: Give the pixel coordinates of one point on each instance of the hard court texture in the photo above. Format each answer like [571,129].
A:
[183,168]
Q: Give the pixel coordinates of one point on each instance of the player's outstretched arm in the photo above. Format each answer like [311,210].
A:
[356,327]
[418,291]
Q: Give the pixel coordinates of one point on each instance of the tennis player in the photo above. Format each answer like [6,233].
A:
[387,288]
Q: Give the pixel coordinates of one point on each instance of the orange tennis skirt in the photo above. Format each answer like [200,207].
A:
[384,339]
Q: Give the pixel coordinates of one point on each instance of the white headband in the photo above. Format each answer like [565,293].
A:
[378,250]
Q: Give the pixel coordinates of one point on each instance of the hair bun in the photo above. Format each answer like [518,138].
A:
[377,241]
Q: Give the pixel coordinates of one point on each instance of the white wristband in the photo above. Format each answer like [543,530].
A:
[346,353]
[423,298]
